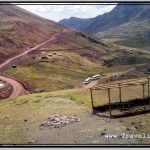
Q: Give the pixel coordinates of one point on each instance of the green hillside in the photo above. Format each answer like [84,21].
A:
[60,72]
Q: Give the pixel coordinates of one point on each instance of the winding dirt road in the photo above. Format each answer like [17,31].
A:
[18,88]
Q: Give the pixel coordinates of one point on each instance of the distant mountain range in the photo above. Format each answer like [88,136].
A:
[128,22]
[119,15]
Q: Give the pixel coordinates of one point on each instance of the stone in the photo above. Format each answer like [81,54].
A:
[57,121]
[133,123]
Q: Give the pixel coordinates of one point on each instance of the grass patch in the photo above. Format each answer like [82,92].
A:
[140,42]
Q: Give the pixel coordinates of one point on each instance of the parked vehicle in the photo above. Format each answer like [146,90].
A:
[87,80]
[1,85]
[50,55]
[96,77]
[14,66]
[44,57]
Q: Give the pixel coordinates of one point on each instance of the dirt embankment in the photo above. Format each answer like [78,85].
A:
[6,91]
[18,89]
[28,85]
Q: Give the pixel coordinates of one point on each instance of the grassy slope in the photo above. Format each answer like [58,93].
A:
[32,110]
[125,57]
[132,34]
[90,48]
[70,69]
[140,41]
[35,111]
[61,72]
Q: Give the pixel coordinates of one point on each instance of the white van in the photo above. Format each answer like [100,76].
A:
[87,80]
[96,77]
[1,85]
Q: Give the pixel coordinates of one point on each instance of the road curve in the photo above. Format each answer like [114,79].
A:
[18,88]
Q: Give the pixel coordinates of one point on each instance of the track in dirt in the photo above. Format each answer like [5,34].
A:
[18,88]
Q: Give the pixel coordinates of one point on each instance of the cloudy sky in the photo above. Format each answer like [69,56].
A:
[58,12]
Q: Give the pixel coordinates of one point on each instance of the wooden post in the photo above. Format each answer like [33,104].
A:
[148,86]
[143,90]
[109,101]
[119,92]
[92,98]
[129,107]
[143,95]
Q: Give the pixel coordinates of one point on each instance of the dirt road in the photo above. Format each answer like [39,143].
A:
[18,88]
[91,84]
[26,52]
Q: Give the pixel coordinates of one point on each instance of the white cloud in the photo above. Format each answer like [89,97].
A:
[58,12]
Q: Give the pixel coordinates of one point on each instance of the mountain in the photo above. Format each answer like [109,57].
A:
[126,22]
[80,53]
[119,15]
[76,23]
[20,29]
[69,60]
[52,78]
